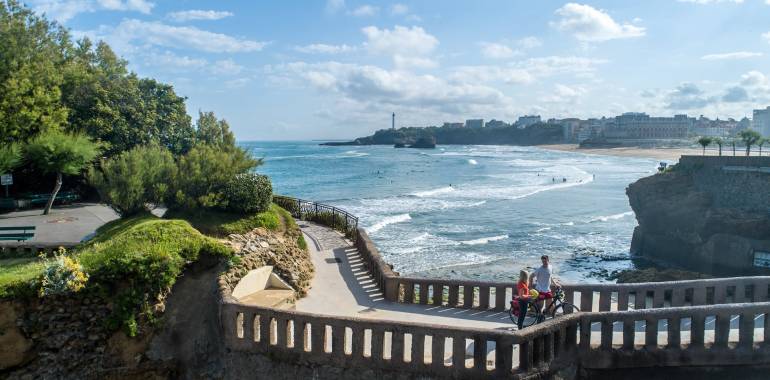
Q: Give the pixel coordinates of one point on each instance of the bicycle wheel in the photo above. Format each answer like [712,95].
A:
[564,308]
[533,315]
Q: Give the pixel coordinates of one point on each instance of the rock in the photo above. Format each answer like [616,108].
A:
[264,244]
[15,348]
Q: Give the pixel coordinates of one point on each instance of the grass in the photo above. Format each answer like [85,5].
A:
[221,224]
[16,273]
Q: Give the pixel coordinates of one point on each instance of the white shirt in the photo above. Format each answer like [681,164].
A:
[543,278]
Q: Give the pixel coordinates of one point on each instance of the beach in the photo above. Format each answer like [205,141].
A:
[665,154]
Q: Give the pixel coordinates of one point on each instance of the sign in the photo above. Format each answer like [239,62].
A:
[6,180]
[762,259]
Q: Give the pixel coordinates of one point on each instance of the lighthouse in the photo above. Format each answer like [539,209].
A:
[393,121]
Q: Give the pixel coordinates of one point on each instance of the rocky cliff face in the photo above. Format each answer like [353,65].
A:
[710,214]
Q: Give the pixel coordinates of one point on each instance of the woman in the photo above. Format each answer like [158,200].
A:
[522,295]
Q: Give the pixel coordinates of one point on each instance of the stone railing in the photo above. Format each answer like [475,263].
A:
[329,216]
[716,322]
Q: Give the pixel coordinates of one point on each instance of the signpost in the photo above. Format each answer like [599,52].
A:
[6,180]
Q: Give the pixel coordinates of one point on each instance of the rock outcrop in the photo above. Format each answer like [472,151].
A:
[709,214]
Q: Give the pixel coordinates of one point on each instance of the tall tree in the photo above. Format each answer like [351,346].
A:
[212,131]
[719,141]
[10,157]
[704,142]
[31,52]
[749,137]
[55,152]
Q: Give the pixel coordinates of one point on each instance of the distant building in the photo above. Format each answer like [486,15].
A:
[640,126]
[704,126]
[496,124]
[474,123]
[452,125]
[761,121]
[527,120]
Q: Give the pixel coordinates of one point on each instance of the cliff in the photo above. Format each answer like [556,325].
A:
[708,214]
[533,135]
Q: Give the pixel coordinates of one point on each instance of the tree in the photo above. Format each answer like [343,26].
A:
[749,137]
[10,157]
[732,142]
[719,142]
[213,131]
[56,152]
[31,52]
[704,142]
[761,142]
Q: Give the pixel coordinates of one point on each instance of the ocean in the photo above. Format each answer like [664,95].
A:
[478,212]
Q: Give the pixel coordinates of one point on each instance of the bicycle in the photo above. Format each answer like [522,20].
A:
[556,307]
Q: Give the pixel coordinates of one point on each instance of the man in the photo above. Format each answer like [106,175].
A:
[541,279]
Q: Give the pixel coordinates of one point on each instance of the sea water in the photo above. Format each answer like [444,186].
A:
[480,212]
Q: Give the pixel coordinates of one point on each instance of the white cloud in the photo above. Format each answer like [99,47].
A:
[325,49]
[401,9]
[226,67]
[564,94]
[527,71]
[332,6]
[730,56]
[766,36]
[400,40]
[497,51]
[754,79]
[197,14]
[172,62]
[65,10]
[403,62]
[365,11]
[529,42]
[128,32]
[589,24]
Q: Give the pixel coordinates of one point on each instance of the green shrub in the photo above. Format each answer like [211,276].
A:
[135,180]
[222,223]
[135,261]
[62,274]
[204,173]
[248,193]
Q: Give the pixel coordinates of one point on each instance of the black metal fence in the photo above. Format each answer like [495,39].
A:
[329,216]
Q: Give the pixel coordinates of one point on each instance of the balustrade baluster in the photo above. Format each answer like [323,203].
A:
[570,339]
[674,332]
[281,324]
[651,332]
[722,330]
[418,350]
[408,291]
[503,356]
[438,294]
[720,294]
[480,354]
[483,297]
[585,334]
[437,351]
[697,330]
[458,352]
[397,347]
[358,343]
[622,300]
[766,328]
[338,340]
[453,295]
[548,347]
[586,300]
[629,333]
[264,330]
[605,300]
[699,295]
[377,340]
[317,337]
[468,296]
[424,293]
[761,291]
[526,355]
[746,330]
[606,338]
[500,298]
[248,328]
[658,298]
[677,297]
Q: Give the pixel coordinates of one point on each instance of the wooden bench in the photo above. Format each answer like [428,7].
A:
[20,233]
[61,197]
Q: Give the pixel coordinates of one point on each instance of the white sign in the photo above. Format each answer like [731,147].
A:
[6,180]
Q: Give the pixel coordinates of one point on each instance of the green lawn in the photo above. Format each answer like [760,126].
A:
[221,224]
[14,272]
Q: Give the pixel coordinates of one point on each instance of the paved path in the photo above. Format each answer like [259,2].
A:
[343,287]
[66,224]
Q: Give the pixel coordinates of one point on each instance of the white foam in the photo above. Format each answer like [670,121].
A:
[611,217]
[388,221]
[434,192]
[484,240]
[473,162]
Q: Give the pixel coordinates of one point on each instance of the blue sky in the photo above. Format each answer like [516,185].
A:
[338,68]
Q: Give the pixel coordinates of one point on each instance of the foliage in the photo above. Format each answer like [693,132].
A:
[719,142]
[221,223]
[704,142]
[62,274]
[135,180]
[206,171]
[749,138]
[248,193]
[58,152]
[301,242]
[10,157]
[212,131]
[18,276]
[137,260]
[31,55]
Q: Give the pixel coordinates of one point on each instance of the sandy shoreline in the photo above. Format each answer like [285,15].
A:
[665,154]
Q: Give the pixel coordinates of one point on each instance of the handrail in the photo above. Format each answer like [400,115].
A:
[327,215]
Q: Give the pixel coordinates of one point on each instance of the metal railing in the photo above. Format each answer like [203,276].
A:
[327,215]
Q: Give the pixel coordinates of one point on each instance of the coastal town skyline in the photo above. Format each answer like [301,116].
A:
[331,69]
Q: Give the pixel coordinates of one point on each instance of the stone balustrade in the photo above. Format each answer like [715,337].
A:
[681,323]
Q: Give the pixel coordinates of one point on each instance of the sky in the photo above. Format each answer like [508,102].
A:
[337,69]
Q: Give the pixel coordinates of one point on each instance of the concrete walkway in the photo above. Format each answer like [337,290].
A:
[342,287]
[65,224]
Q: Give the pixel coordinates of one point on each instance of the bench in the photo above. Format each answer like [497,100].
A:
[20,233]
[62,196]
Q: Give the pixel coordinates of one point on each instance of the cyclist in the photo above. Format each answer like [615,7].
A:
[541,280]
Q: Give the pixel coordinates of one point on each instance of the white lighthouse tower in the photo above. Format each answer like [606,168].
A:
[393,121]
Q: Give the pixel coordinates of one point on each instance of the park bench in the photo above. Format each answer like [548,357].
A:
[19,233]
[42,199]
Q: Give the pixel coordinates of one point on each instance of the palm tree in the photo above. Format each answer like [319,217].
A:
[749,137]
[55,152]
[704,142]
[719,142]
[732,142]
[761,142]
